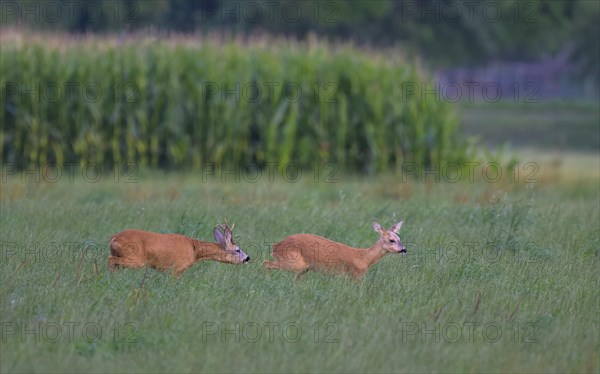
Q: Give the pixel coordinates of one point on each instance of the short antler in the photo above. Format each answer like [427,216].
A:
[137,248]
[226,226]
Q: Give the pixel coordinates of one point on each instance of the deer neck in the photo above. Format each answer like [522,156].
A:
[374,254]
[207,251]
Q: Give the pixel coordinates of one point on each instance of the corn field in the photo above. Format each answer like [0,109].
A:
[180,102]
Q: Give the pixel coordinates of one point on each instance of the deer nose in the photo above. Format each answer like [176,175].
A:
[247,259]
[403,250]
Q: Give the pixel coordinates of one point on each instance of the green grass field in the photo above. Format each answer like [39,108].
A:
[500,277]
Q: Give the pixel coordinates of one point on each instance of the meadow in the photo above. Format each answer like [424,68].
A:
[499,277]
[501,273]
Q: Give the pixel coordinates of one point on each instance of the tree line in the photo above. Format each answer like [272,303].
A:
[444,32]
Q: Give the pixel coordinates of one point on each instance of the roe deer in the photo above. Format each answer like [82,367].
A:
[303,252]
[137,248]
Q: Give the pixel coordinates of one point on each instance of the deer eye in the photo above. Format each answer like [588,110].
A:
[392,241]
[237,251]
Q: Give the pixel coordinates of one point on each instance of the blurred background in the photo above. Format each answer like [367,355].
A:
[439,75]
[552,43]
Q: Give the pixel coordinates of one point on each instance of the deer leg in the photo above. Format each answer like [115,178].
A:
[271,264]
[300,274]
[115,262]
[177,271]
[358,275]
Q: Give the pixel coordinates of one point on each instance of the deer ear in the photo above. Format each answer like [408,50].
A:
[397,227]
[219,238]
[377,227]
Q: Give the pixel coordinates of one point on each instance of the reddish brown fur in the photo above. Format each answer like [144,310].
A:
[302,252]
[137,248]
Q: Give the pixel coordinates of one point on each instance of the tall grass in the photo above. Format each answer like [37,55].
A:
[181,102]
[521,270]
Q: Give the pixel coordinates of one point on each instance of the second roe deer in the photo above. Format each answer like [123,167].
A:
[303,252]
[137,248]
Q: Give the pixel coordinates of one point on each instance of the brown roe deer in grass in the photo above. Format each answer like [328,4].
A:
[137,248]
[303,252]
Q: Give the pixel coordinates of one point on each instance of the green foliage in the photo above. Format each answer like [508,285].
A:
[446,32]
[180,103]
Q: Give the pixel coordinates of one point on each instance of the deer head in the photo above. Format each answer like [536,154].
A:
[389,239]
[233,253]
